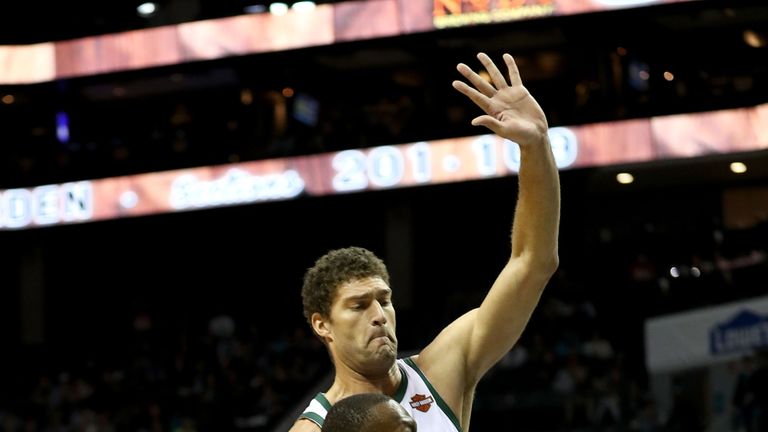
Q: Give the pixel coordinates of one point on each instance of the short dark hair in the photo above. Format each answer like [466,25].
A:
[333,269]
[353,413]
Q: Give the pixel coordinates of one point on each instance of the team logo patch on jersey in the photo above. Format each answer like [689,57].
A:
[421,402]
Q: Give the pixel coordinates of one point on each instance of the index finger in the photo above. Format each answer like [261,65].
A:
[478,98]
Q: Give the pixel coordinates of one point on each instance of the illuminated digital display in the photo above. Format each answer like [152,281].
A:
[457,13]
[46,205]
[384,167]
[258,33]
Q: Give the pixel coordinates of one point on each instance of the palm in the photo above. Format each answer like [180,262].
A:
[510,110]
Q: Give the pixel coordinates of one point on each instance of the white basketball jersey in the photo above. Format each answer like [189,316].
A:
[415,394]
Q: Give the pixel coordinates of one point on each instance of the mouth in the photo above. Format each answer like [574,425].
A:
[380,337]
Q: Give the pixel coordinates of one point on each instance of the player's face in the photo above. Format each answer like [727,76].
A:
[363,325]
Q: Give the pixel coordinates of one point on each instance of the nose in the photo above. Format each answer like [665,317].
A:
[378,318]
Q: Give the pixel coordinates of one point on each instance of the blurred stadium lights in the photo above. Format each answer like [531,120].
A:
[754,39]
[303,6]
[255,8]
[280,8]
[147,9]
[738,167]
[62,127]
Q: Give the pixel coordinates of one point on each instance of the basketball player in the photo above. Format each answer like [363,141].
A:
[348,300]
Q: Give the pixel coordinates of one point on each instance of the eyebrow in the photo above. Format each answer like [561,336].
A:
[366,295]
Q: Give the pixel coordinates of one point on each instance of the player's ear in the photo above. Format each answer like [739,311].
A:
[320,326]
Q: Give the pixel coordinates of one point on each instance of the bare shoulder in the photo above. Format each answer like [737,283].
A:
[304,425]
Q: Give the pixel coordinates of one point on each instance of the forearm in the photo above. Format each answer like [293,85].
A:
[537,214]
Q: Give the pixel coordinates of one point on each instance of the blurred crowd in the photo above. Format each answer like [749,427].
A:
[578,367]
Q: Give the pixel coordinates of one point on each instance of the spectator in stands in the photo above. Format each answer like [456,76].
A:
[760,387]
[744,403]
[685,415]
[368,412]
[348,301]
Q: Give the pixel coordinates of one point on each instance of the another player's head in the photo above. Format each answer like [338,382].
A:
[368,412]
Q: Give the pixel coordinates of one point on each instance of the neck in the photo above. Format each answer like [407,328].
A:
[349,382]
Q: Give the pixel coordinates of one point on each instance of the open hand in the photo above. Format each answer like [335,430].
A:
[510,110]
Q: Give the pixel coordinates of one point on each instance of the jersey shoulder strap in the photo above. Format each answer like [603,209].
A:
[316,410]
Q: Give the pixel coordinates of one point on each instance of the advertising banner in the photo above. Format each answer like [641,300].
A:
[706,336]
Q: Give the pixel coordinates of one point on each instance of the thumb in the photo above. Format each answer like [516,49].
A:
[489,122]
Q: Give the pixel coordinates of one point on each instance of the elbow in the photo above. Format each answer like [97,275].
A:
[549,264]
[555,263]
[540,266]
[546,265]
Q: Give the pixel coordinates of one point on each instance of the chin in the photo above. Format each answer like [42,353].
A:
[389,355]
[384,359]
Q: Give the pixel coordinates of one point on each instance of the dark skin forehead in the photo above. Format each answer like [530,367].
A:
[391,417]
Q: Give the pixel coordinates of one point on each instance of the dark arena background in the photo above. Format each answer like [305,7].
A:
[168,172]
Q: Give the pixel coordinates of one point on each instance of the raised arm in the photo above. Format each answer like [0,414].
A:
[477,340]
[512,113]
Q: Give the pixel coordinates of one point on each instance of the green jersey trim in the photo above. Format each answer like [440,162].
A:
[400,393]
[440,402]
[323,401]
[314,418]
